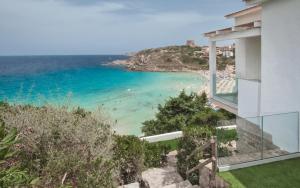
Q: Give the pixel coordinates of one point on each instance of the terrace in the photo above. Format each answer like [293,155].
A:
[231,91]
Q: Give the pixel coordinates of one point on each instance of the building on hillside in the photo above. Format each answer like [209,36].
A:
[265,93]
[191,43]
[227,51]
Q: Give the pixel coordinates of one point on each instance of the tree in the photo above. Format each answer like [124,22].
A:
[180,112]
[193,138]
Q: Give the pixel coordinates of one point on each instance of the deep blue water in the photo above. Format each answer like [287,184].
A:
[128,97]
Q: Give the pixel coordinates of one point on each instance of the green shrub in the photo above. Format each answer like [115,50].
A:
[129,157]
[155,154]
[133,155]
[223,151]
[193,137]
[175,113]
[170,144]
[226,135]
[11,174]
[183,111]
[63,147]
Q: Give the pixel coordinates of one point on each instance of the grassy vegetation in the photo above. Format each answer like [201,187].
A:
[226,135]
[172,144]
[281,174]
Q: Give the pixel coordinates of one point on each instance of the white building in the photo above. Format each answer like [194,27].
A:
[267,53]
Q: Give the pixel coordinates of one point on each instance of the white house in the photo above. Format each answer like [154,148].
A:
[267,52]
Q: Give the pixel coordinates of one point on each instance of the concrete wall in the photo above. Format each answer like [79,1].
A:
[248,67]
[283,129]
[163,137]
[248,58]
[248,98]
[248,18]
[280,72]
[280,87]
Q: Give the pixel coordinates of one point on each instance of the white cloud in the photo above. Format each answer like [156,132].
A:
[54,27]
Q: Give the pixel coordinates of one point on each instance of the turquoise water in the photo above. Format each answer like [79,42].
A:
[129,98]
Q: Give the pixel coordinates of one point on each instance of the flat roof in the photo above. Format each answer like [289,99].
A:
[237,28]
[244,12]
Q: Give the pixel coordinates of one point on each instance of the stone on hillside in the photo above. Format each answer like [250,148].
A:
[132,185]
[183,184]
[160,177]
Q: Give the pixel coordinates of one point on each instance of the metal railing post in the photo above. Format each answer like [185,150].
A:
[262,137]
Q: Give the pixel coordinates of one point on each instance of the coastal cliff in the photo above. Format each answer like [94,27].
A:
[171,58]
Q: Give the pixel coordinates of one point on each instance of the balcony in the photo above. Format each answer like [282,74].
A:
[225,92]
[257,140]
[237,94]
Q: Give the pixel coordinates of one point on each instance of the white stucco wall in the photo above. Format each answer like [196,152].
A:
[248,18]
[248,58]
[249,98]
[280,90]
[280,72]
[284,130]
[248,65]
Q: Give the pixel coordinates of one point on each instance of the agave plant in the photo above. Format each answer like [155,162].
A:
[10,173]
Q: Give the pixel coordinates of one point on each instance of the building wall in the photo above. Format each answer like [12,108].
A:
[248,98]
[280,91]
[280,72]
[248,18]
[248,58]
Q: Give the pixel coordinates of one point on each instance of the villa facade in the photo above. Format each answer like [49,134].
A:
[266,96]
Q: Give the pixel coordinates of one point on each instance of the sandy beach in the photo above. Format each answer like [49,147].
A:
[225,79]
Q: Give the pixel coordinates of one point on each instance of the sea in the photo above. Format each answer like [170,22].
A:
[127,98]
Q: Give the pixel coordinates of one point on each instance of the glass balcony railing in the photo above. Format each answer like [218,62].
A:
[257,138]
[225,89]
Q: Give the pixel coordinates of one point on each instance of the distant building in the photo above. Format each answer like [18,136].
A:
[191,43]
[204,51]
[226,51]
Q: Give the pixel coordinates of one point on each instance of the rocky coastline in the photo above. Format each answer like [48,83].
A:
[176,59]
[165,59]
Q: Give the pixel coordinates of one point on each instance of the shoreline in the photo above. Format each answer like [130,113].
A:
[204,73]
[227,74]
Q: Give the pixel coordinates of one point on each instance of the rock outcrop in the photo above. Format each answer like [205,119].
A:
[171,58]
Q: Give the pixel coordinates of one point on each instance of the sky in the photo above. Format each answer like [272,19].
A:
[77,27]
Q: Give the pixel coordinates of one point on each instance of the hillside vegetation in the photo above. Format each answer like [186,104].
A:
[174,59]
[56,146]
[171,58]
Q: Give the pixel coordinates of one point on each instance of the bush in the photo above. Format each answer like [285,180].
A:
[11,175]
[183,111]
[132,156]
[156,154]
[63,147]
[174,115]
[129,156]
[193,137]
[226,135]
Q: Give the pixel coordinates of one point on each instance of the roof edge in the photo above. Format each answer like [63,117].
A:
[254,2]
[244,11]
